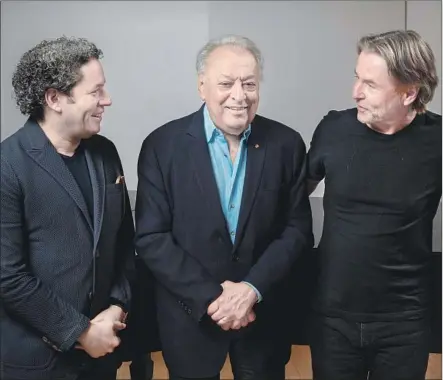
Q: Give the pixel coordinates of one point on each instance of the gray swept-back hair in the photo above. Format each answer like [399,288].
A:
[228,40]
[50,64]
[409,58]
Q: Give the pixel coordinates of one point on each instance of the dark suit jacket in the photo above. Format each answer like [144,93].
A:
[141,334]
[49,245]
[181,234]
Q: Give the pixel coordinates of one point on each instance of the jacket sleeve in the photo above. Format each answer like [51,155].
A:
[296,236]
[23,295]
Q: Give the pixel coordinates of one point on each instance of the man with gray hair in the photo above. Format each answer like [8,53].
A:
[382,165]
[66,224]
[222,214]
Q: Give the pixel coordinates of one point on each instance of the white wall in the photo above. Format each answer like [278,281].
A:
[150,48]
[149,52]
[309,49]
[425,18]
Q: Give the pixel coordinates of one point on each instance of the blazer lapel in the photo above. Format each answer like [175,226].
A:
[97,175]
[204,173]
[256,149]
[44,154]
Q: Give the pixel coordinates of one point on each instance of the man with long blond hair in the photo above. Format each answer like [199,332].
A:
[382,166]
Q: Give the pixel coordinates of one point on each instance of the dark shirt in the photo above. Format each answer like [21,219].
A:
[79,169]
[381,196]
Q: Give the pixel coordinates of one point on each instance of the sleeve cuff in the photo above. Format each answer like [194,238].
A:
[116,302]
[82,325]
[259,296]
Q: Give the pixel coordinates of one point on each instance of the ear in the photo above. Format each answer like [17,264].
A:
[52,98]
[410,95]
[201,86]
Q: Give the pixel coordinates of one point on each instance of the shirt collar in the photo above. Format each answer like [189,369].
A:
[211,130]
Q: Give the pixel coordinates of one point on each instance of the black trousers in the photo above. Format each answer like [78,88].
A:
[142,367]
[346,350]
[253,359]
[94,375]
[78,365]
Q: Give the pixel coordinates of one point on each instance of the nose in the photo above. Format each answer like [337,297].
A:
[237,93]
[105,99]
[357,91]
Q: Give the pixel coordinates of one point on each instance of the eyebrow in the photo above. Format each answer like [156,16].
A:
[99,85]
[242,79]
[365,80]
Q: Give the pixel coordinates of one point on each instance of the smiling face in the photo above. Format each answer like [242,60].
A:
[230,88]
[380,99]
[82,111]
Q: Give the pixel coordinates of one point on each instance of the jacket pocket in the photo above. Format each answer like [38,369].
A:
[22,348]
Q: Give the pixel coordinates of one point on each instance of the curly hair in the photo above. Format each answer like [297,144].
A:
[50,64]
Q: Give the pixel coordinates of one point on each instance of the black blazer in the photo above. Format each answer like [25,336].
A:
[49,245]
[181,234]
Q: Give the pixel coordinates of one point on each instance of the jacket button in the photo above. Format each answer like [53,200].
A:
[235,258]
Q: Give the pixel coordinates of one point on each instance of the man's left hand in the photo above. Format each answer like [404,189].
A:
[234,306]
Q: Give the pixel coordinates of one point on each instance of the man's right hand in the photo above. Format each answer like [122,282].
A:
[100,338]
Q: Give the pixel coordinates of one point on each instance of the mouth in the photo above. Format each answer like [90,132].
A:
[360,108]
[237,109]
[98,116]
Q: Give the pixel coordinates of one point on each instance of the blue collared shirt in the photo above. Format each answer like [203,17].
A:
[229,176]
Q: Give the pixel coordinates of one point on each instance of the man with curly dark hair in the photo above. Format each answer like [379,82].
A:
[66,224]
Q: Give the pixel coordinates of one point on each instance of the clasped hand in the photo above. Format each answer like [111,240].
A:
[100,338]
[233,308]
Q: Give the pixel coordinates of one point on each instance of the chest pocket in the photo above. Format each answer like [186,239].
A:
[115,200]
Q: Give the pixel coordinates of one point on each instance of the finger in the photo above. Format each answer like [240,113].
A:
[218,315]
[213,307]
[115,342]
[251,316]
[97,355]
[244,322]
[117,325]
[226,326]
[236,325]
[224,321]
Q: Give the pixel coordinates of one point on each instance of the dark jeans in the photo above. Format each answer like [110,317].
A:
[345,350]
[253,360]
